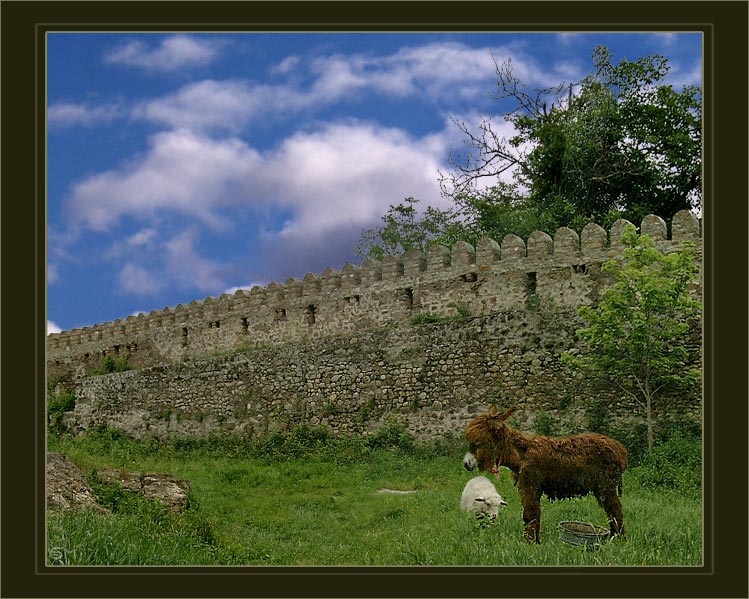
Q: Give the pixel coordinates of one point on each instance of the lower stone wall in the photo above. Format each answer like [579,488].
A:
[432,378]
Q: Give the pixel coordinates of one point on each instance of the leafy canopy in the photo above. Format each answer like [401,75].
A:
[620,143]
[404,229]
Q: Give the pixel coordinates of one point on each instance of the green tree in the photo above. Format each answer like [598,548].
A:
[636,336]
[405,229]
[618,143]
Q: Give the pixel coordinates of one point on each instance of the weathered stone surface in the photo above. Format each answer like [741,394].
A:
[431,380]
[66,485]
[685,226]
[654,227]
[167,489]
[129,481]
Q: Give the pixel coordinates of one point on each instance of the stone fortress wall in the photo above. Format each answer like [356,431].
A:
[340,350]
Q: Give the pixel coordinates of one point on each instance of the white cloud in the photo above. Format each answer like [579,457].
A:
[571,71]
[134,247]
[67,114]
[679,76]
[137,280]
[143,238]
[175,264]
[233,290]
[53,275]
[666,39]
[331,182]
[317,174]
[182,171]
[206,105]
[286,65]
[340,180]
[569,38]
[440,70]
[52,327]
[188,269]
[439,73]
[345,174]
[173,53]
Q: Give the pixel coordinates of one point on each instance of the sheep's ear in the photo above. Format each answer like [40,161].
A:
[493,411]
[481,499]
[505,415]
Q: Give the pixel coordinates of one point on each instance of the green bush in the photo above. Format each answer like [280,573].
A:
[61,404]
[111,365]
[597,414]
[57,406]
[297,442]
[674,464]
[544,424]
[306,439]
[392,436]
[113,497]
[533,302]
[462,311]
[676,422]
[425,318]
[635,439]
[451,445]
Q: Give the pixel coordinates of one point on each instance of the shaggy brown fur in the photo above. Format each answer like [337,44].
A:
[559,467]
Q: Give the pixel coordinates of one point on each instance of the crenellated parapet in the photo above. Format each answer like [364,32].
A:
[563,270]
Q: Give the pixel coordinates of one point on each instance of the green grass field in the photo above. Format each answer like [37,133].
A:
[305,499]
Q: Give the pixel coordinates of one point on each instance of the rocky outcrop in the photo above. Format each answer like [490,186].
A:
[167,489]
[67,487]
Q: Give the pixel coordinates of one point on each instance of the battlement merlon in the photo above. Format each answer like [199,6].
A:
[376,293]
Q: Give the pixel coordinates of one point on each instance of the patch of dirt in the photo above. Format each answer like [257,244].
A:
[396,491]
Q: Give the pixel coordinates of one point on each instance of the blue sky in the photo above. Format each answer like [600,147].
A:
[182,166]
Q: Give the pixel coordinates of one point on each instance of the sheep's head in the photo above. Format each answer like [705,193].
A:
[488,443]
[489,505]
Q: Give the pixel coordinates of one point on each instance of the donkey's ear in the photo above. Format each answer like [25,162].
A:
[493,411]
[506,414]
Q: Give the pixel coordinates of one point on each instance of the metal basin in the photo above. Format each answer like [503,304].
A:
[582,533]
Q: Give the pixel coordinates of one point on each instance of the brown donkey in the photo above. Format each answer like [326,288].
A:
[559,467]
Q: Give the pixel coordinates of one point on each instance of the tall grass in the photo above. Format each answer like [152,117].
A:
[304,498]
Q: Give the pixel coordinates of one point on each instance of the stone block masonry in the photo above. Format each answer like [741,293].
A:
[340,350]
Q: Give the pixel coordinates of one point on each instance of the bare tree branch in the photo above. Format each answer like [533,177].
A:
[489,154]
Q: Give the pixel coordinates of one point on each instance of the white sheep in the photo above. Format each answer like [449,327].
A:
[480,497]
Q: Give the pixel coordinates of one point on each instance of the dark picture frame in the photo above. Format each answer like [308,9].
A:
[23,254]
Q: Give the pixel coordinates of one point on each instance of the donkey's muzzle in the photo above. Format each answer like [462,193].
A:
[469,462]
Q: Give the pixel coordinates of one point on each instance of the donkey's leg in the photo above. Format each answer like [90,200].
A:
[531,500]
[610,503]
